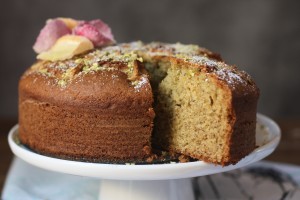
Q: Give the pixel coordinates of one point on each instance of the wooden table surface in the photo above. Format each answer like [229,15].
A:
[288,150]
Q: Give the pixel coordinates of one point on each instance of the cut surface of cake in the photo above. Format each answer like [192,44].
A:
[204,108]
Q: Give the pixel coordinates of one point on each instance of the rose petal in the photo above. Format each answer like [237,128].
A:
[71,23]
[103,28]
[53,30]
[96,31]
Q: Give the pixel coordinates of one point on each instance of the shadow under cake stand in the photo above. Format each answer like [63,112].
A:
[154,181]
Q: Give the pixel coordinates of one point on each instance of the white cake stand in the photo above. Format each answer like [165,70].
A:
[156,181]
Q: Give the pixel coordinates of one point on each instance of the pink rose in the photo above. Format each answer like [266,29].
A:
[53,30]
[96,31]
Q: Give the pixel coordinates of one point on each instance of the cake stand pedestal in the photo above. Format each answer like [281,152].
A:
[176,189]
[157,181]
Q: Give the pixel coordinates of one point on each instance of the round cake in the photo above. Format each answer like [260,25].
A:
[117,103]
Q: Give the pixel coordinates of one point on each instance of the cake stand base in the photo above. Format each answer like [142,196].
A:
[175,189]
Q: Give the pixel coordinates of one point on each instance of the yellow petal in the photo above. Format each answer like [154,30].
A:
[71,23]
[66,47]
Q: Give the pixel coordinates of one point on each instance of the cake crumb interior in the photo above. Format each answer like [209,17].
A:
[190,114]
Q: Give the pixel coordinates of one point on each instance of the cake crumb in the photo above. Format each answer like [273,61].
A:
[147,150]
[151,158]
[183,158]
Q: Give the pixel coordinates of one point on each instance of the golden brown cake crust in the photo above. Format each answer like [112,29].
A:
[95,115]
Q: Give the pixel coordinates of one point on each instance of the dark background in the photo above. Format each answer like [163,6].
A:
[261,37]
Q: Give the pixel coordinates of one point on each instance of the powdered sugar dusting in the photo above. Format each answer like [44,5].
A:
[203,60]
[231,76]
[223,71]
[143,80]
[128,55]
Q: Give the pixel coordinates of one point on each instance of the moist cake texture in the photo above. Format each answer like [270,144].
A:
[100,106]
